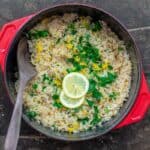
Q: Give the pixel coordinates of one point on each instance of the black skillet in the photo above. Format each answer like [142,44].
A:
[96,14]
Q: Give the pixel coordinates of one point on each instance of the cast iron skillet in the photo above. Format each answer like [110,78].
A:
[117,27]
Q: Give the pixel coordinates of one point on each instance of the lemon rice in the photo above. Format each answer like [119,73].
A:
[83,73]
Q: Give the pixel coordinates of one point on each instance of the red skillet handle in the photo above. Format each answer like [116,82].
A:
[7,34]
[140,107]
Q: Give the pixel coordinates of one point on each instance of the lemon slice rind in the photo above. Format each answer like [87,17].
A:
[69,102]
[75,85]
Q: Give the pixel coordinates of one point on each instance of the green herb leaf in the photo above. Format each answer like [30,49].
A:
[46,78]
[31,114]
[83,120]
[43,88]
[96,26]
[58,40]
[96,119]
[57,104]
[71,28]
[55,96]
[120,49]
[113,95]
[35,34]
[110,67]
[110,78]
[35,86]
[90,103]
[97,94]
[92,85]
[32,94]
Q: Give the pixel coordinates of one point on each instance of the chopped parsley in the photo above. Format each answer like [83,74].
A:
[97,94]
[87,50]
[120,49]
[96,119]
[31,114]
[83,120]
[108,79]
[96,26]
[55,96]
[45,78]
[92,85]
[72,29]
[110,67]
[57,104]
[36,34]
[43,88]
[90,103]
[35,86]
[113,95]
[32,94]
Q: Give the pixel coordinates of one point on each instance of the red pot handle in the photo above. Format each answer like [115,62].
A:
[7,34]
[140,106]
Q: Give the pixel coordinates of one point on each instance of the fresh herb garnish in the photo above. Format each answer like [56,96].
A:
[57,104]
[43,88]
[120,49]
[87,50]
[31,114]
[71,28]
[96,26]
[108,79]
[113,95]
[92,85]
[83,120]
[55,96]
[97,94]
[96,119]
[58,40]
[32,94]
[90,103]
[36,34]
[35,86]
[110,67]
[46,78]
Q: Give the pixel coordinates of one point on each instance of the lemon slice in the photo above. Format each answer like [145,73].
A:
[69,102]
[75,85]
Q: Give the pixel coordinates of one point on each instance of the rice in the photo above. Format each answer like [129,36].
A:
[49,55]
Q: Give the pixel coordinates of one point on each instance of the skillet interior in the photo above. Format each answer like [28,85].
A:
[11,68]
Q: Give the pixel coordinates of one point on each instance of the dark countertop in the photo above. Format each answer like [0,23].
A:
[135,15]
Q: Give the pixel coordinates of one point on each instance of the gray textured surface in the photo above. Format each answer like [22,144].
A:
[135,14]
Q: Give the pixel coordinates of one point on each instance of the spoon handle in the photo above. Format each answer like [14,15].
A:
[14,127]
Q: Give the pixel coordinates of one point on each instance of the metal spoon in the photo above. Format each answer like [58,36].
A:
[26,72]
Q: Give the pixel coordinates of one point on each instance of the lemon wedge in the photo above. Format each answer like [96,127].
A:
[75,85]
[69,102]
